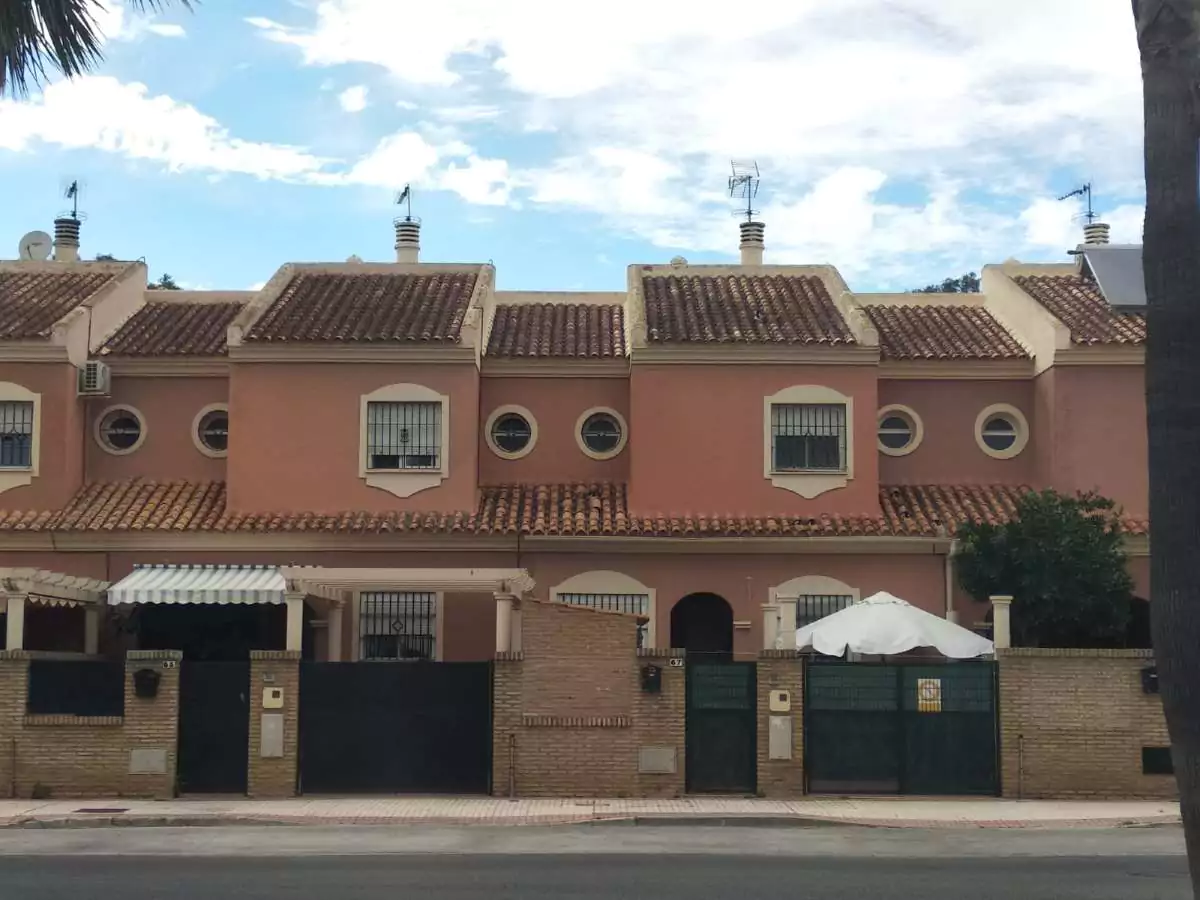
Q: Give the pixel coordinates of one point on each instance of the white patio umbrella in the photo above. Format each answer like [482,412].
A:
[885,625]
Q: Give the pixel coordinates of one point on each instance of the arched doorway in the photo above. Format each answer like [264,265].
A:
[702,623]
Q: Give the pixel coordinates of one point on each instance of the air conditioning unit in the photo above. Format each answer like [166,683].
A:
[94,379]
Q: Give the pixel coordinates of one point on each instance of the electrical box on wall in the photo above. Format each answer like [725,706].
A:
[1150,680]
[272,698]
[780,701]
[651,679]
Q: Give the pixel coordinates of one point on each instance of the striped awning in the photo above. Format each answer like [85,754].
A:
[200,584]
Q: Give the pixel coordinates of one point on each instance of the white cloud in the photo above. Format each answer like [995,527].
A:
[166,29]
[946,102]
[115,22]
[257,286]
[353,99]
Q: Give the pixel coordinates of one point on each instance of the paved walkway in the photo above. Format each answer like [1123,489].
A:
[893,813]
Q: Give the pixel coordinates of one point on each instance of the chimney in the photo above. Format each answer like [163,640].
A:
[408,239]
[752,243]
[66,239]
[1095,234]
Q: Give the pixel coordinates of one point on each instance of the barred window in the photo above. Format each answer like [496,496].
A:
[395,625]
[811,607]
[808,437]
[404,436]
[634,604]
[16,434]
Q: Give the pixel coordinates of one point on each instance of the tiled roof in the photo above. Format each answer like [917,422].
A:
[173,329]
[1077,303]
[742,309]
[31,302]
[942,332]
[368,308]
[568,509]
[580,330]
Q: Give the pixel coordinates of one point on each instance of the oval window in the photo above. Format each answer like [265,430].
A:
[895,432]
[213,431]
[120,430]
[601,433]
[511,433]
[999,433]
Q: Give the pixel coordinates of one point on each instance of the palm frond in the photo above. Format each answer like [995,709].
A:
[61,34]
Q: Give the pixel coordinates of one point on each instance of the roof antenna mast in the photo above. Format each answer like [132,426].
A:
[743,185]
[405,197]
[1086,192]
[408,229]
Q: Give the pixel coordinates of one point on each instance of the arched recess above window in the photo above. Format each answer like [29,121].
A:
[615,591]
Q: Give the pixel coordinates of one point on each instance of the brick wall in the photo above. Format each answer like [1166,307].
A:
[70,756]
[780,670]
[570,717]
[1073,724]
[274,776]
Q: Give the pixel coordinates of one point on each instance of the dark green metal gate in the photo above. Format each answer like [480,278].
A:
[722,737]
[908,729]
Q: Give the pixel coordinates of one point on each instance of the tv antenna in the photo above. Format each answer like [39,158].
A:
[743,185]
[405,198]
[1085,192]
[72,190]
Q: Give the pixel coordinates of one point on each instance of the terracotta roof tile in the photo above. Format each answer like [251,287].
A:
[942,332]
[1077,303]
[586,331]
[742,309]
[167,328]
[368,308]
[564,509]
[31,302]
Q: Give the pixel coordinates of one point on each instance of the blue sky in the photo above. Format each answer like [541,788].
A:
[900,140]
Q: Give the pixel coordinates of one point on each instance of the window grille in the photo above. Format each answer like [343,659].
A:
[811,607]
[404,436]
[808,437]
[16,434]
[395,625]
[634,604]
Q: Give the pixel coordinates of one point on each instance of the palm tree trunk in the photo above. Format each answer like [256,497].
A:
[1169,41]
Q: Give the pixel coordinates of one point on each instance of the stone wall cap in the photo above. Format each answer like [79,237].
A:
[151,655]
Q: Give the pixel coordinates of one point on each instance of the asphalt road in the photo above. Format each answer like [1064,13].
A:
[584,863]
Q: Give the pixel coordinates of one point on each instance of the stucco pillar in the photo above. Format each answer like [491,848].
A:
[333,634]
[770,625]
[1001,622]
[15,630]
[91,629]
[295,622]
[787,622]
[504,617]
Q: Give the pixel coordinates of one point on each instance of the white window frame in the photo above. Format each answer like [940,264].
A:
[439,616]
[813,483]
[401,483]
[14,477]
[604,581]
[1020,428]
[196,422]
[905,412]
[98,432]
[786,598]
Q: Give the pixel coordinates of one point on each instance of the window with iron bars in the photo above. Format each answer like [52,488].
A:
[16,434]
[807,437]
[404,436]
[396,625]
[634,604]
[810,607]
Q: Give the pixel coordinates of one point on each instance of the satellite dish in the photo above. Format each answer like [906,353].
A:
[35,245]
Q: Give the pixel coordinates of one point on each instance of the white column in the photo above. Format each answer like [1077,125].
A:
[295,622]
[333,634]
[91,629]
[1002,622]
[787,622]
[15,634]
[770,625]
[504,617]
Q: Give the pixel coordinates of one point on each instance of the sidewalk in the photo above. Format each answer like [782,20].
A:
[879,813]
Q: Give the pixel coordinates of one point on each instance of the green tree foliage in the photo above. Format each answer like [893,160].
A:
[59,34]
[963,284]
[164,283]
[1062,561]
[105,257]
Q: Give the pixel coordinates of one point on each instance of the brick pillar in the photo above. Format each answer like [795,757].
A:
[783,776]
[151,725]
[14,678]
[507,684]
[659,726]
[274,730]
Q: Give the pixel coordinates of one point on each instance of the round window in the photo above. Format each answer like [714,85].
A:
[511,433]
[120,430]
[895,432]
[601,433]
[999,433]
[213,431]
